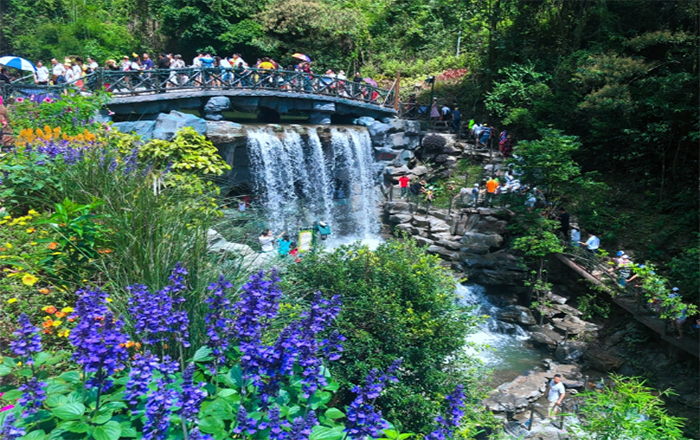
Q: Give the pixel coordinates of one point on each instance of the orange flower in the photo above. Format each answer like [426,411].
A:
[44,291]
[60,315]
[53,245]
[48,324]
[50,310]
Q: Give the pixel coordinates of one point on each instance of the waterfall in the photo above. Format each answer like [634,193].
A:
[300,179]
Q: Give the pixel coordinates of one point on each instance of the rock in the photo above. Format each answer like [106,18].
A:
[397,207]
[213,237]
[499,401]
[601,359]
[518,314]
[529,387]
[143,129]
[566,309]
[573,325]
[167,125]
[556,298]
[399,141]
[451,150]
[404,157]
[441,158]
[570,352]
[451,245]
[214,116]
[319,118]
[217,104]
[422,241]
[225,132]
[421,221]
[475,240]
[488,224]
[217,243]
[419,170]
[442,252]
[405,227]
[378,129]
[397,171]
[400,218]
[412,127]
[437,225]
[364,121]
[543,340]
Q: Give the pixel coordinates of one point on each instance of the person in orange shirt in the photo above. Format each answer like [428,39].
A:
[491,187]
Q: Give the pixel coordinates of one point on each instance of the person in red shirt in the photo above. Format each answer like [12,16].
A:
[403,182]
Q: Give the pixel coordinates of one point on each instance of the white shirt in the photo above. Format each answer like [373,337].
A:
[342,77]
[575,235]
[197,62]
[70,74]
[58,70]
[477,129]
[593,243]
[42,74]
[238,62]
[266,243]
[93,65]
[555,391]
[225,64]
[77,71]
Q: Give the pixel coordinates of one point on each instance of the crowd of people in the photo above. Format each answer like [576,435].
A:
[205,70]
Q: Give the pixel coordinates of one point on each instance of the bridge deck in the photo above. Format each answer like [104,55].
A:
[689,343]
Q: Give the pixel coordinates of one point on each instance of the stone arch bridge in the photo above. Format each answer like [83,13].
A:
[269,93]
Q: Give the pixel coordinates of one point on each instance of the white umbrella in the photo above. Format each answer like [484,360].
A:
[17,63]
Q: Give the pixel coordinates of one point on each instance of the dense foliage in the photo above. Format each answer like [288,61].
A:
[398,302]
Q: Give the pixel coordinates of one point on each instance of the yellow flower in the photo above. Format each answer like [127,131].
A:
[57,323]
[67,309]
[12,300]
[8,245]
[63,333]
[109,300]
[7,217]
[29,279]
[30,230]
[33,243]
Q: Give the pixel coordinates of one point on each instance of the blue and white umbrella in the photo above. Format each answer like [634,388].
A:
[17,63]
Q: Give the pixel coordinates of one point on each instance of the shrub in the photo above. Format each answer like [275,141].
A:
[398,303]
[73,113]
[434,142]
[189,152]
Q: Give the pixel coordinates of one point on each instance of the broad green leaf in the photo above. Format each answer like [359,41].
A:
[11,395]
[35,435]
[227,392]
[5,370]
[219,409]
[26,372]
[69,411]
[41,358]
[202,355]
[334,413]
[236,375]
[75,426]
[56,400]
[321,432]
[211,425]
[109,431]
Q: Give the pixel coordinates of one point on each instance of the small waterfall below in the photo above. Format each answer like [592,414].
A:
[505,343]
[301,179]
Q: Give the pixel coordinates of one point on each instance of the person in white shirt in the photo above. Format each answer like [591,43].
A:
[41,76]
[197,61]
[556,394]
[226,73]
[92,64]
[70,74]
[266,240]
[58,72]
[592,243]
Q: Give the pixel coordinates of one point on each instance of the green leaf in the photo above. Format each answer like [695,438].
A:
[26,372]
[5,370]
[69,411]
[202,355]
[35,435]
[109,431]
[219,409]
[227,392]
[12,395]
[128,431]
[56,400]
[321,432]
[41,358]
[335,413]
[75,426]
[70,377]
[211,425]
[236,375]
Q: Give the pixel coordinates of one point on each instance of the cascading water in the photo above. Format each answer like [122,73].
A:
[505,349]
[300,180]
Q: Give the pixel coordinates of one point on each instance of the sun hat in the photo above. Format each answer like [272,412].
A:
[625,256]
[620,253]
[476,185]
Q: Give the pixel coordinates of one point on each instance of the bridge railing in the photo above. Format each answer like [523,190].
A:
[135,83]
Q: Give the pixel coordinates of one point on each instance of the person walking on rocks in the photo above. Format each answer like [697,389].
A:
[491,187]
[556,394]
[403,182]
[592,244]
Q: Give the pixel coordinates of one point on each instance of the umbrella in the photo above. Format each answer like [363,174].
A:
[301,56]
[371,82]
[17,63]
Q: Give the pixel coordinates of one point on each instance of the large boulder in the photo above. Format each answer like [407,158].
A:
[397,207]
[443,253]
[217,104]
[400,218]
[400,141]
[477,241]
[167,125]
[437,225]
[570,352]
[499,401]
[574,326]
[378,129]
[143,129]
[364,121]
[225,132]
[601,359]
[420,170]
[517,314]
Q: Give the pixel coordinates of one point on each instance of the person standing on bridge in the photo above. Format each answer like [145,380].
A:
[41,77]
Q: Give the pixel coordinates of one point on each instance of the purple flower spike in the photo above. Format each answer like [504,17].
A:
[218,319]
[140,376]
[192,395]
[245,424]
[33,396]
[9,431]
[27,339]
[446,427]
[363,419]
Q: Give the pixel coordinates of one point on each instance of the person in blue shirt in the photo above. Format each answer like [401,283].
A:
[285,245]
[592,243]
[456,117]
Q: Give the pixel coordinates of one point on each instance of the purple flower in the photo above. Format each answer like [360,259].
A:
[363,419]
[447,426]
[192,395]
[276,424]
[27,339]
[218,320]
[9,431]
[33,396]
[98,338]
[159,410]
[156,316]
[140,376]
[245,423]
[301,428]
[196,434]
